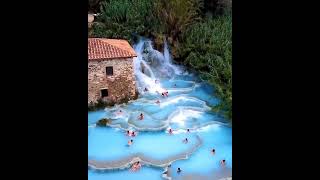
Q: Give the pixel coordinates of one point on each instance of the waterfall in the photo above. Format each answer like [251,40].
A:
[150,65]
[143,72]
[168,59]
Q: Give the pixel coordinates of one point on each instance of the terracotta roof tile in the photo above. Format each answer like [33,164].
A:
[99,48]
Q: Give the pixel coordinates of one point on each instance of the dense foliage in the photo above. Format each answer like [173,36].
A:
[123,19]
[175,15]
[207,48]
[198,31]
[93,5]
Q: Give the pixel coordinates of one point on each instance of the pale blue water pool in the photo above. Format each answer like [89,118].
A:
[187,107]
[144,173]
[111,144]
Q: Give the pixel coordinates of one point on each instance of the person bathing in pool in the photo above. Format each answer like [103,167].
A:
[130,142]
[141,116]
[136,166]
[165,94]
[119,112]
[179,170]
[132,134]
[223,162]
[213,151]
[185,140]
[158,102]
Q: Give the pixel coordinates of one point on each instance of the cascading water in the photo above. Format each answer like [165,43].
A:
[147,61]
[168,59]
[144,75]
[186,107]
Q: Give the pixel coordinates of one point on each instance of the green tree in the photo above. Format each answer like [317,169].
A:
[207,48]
[176,15]
[199,40]
[124,18]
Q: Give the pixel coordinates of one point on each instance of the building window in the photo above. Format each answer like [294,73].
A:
[104,93]
[109,71]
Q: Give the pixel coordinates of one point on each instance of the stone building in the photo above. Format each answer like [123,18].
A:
[110,71]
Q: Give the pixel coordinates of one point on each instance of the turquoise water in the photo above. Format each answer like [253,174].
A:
[147,173]
[111,144]
[202,161]
[186,107]
[180,111]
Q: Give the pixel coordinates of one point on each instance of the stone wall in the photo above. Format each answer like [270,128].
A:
[121,85]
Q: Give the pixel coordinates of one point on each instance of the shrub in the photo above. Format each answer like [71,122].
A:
[207,48]
[123,19]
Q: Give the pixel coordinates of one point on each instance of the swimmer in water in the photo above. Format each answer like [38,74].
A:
[179,170]
[188,130]
[145,89]
[156,81]
[223,162]
[141,116]
[130,142]
[213,151]
[170,131]
[164,94]
[136,166]
[119,112]
[185,140]
[128,133]
[133,134]
[175,85]
[158,102]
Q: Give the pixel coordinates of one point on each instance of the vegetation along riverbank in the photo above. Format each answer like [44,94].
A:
[199,33]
